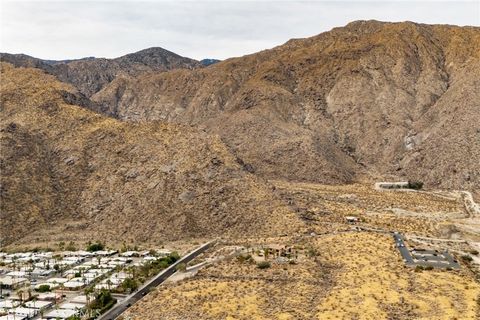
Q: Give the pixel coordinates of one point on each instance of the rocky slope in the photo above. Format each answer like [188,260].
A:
[383,99]
[89,75]
[69,173]
[170,154]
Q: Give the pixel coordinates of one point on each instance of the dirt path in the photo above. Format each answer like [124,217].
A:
[471,206]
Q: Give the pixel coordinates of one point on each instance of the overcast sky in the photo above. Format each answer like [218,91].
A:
[196,29]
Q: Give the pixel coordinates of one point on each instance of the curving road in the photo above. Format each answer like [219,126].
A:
[118,309]
[471,206]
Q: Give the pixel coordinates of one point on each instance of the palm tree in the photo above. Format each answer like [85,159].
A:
[87,292]
[19,294]
[109,283]
[29,291]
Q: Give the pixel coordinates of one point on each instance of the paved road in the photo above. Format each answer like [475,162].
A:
[403,249]
[425,257]
[118,309]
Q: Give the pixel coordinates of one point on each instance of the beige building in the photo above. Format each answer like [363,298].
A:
[9,282]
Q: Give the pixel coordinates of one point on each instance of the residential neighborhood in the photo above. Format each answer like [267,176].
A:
[67,284]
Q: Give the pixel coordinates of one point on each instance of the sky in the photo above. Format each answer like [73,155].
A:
[196,29]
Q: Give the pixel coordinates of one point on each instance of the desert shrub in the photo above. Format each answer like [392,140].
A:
[419,268]
[474,252]
[44,288]
[92,247]
[428,268]
[312,252]
[466,258]
[181,267]
[71,246]
[244,258]
[263,265]
[417,185]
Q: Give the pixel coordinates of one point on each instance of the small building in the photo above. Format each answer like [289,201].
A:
[19,274]
[12,283]
[12,317]
[8,304]
[74,284]
[81,299]
[57,280]
[351,219]
[150,258]
[24,312]
[38,304]
[71,306]
[130,254]
[38,272]
[105,253]
[48,296]
[164,252]
[60,314]
[391,185]
[74,259]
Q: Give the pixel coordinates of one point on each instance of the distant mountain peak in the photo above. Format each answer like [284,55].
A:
[91,74]
[206,62]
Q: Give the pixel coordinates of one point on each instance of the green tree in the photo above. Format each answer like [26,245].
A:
[263,265]
[109,284]
[92,247]
[417,185]
[44,288]
[181,267]
[129,284]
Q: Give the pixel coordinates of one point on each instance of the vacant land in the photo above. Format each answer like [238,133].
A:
[345,276]
[325,207]
[334,272]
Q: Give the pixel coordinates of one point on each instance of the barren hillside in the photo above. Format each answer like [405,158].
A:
[90,75]
[185,153]
[369,98]
[68,173]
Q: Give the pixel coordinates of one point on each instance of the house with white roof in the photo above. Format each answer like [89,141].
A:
[39,304]
[9,282]
[60,314]
[8,304]
[12,317]
[24,312]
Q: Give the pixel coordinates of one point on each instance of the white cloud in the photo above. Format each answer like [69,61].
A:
[198,29]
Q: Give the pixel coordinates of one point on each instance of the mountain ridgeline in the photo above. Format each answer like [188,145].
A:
[188,147]
[370,99]
[89,75]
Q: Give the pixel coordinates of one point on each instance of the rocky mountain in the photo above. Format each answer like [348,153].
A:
[89,75]
[153,146]
[207,62]
[68,173]
[368,99]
